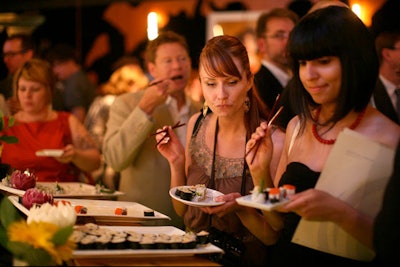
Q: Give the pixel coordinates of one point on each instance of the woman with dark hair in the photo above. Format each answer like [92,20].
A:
[215,148]
[335,68]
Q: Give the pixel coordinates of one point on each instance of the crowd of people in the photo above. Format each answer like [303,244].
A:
[325,69]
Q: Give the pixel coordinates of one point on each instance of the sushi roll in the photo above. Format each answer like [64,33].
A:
[80,209]
[133,239]
[148,212]
[288,190]
[102,241]
[187,193]
[121,211]
[200,192]
[118,242]
[162,241]
[202,237]
[257,195]
[147,242]
[87,242]
[77,236]
[274,195]
[189,240]
[175,242]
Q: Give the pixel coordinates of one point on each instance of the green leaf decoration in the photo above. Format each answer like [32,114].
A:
[3,236]
[34,256]
[8,213]
[62,235]
[9,139]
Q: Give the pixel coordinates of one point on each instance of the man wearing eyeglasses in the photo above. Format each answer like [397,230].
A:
[386,96]
[273,29]
[17,49]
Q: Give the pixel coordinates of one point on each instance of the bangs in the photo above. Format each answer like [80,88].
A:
[307,42]
[217,62]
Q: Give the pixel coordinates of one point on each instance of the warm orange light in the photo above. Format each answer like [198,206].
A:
[152,26]
[364,9]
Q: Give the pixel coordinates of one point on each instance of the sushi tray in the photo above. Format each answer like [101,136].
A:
[105,211]
[266,205]
[95,241]
[68,190]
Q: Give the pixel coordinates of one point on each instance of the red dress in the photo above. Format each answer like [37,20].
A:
[34,136]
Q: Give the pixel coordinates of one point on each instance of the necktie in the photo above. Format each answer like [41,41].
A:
[397,91]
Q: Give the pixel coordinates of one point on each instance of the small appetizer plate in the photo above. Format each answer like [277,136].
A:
[207,202]
[49,153]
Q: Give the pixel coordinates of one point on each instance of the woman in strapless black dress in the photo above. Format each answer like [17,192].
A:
[335,68]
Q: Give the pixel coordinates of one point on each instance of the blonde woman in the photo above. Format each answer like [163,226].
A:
[38,126]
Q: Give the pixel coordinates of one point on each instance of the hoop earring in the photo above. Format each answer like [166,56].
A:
[247,104]
[205,108]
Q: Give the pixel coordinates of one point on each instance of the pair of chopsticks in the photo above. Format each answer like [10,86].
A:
[176,125]
[271,118]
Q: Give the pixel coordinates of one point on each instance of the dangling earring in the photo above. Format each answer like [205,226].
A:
[205,108]
[247,104]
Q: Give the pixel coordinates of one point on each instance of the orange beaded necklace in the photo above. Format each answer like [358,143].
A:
[332,141]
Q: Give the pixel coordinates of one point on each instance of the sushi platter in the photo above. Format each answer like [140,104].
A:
[265,205]
[94,252]
[206,201]
[67,190]
[105,211]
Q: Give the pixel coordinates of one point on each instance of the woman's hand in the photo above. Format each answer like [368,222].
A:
[68,155]
[170,147]
[314,205]
[259,153]
[229,206]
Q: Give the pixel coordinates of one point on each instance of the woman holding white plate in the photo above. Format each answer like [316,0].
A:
[215,148]
[40,130]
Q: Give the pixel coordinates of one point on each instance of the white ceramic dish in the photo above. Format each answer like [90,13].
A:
[49,152]
[104,210]
[208,201]
[70,190]
[267,205]
[200,249]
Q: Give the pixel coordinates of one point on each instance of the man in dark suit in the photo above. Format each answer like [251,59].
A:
[273,29]
[387,45]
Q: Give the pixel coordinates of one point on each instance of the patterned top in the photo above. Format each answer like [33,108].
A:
[228,179]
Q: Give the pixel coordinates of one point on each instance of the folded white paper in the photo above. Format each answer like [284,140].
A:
[357,171]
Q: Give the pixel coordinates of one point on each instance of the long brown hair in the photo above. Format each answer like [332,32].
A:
[217,60]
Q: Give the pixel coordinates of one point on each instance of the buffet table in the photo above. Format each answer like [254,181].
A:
[97,217]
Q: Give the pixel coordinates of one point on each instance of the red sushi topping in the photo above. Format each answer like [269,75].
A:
[121,211]
[80,209]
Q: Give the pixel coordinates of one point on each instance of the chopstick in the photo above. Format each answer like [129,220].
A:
[176,77]
[176,125]
[271,118]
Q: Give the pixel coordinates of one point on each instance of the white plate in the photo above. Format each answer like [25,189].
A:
[208,201]
[49,152]
[200,249]
[71,190]
[267,205]
[103,210]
